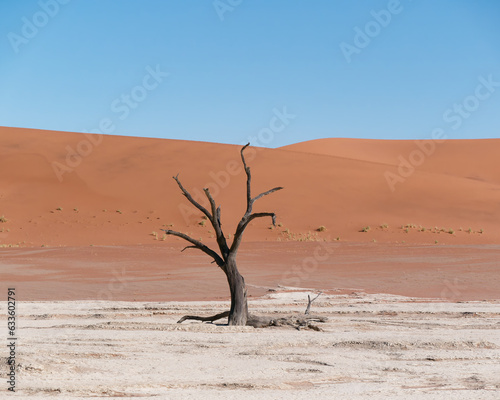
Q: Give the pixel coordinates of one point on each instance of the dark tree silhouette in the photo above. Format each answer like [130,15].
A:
[226,257]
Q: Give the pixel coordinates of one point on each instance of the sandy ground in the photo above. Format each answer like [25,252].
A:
[372,347]
[164,273]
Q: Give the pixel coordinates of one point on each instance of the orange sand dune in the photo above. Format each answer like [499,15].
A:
[469,159]
[59,189]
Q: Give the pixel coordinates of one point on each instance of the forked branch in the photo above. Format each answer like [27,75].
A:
[213,217]
[309,302]
[197,245]
[216,223]
[190,198]
[251,200]
[248,216]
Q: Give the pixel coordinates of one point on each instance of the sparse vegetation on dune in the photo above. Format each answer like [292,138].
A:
[406,228]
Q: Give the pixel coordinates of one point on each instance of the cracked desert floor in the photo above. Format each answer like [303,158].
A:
[371,347]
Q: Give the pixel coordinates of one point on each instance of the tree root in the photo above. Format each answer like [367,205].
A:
[298,323]
[204,319]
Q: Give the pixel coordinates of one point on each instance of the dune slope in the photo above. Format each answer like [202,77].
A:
[59,188]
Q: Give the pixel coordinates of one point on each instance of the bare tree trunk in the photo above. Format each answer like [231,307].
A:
[238,314]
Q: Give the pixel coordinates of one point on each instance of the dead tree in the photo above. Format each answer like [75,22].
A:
[226,257]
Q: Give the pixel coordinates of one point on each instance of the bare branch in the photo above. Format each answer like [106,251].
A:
[204,319]
[261,215]
[215,220]
[248,216]
[244,223]
[249,178]
[190,198]
[217,216]
[250,201]
[266,193]
[309,302]
[197,244]
[189,247]
[211,200]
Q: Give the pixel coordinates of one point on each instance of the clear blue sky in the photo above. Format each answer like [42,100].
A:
[232,63]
